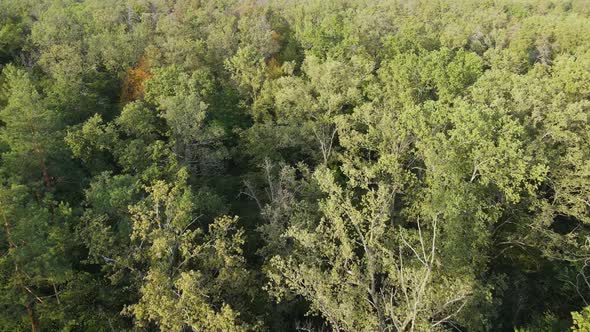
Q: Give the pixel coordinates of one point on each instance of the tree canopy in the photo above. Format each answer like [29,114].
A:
[343,165]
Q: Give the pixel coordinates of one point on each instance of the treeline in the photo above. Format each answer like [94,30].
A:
[346,165]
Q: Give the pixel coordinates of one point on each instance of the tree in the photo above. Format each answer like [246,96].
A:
[36,232]
[182,268]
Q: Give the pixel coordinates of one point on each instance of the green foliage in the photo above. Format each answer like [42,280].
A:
[314,165]
[581,320]
[189,273]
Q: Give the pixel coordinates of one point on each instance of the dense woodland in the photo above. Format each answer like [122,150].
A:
[313,165]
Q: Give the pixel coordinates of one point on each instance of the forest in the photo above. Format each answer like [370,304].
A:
[295,165]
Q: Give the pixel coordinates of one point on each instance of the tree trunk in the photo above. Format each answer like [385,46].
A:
[33,316]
